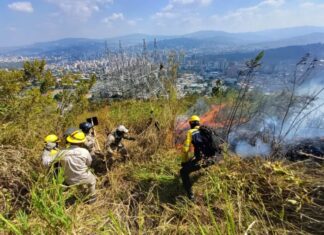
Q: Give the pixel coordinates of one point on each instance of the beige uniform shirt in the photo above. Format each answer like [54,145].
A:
[49,153]
[75,162]
[109,144]
[90,143]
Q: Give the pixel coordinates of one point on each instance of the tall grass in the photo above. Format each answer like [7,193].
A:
[145,195]
[48,202]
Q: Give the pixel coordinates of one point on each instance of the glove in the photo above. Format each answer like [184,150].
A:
[99,154]
[208,162]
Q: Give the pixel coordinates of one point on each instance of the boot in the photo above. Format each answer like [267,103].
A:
[191,196]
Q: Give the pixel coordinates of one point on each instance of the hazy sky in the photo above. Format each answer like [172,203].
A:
[24,22]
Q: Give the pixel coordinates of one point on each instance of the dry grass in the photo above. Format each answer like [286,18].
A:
[15,179]
[145,195]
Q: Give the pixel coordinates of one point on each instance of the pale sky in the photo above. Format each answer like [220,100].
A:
[24,22]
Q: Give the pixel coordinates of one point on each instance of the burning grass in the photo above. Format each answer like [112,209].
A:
[209,118]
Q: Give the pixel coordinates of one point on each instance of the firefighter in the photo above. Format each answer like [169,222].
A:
[201,151]
[114,145]
[50,150]
[76,161]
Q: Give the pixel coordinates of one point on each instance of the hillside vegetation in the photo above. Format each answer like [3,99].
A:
[144,195]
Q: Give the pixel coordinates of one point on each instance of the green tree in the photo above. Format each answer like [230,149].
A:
[217,89]
[11,85]
[25,110]
[47,81]
[36,74]
[33,70]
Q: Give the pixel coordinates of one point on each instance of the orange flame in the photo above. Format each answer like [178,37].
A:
[209,119]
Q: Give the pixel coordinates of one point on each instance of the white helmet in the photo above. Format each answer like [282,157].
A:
[122,128]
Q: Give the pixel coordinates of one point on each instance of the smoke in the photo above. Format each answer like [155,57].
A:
[244,149]
[277,120]
[200,107]
[276,123]
[310,122]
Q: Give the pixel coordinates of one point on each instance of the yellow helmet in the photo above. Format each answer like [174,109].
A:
[51,139]
[194,118]
[76,137]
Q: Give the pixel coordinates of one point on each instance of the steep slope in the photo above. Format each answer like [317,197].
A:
[144,195]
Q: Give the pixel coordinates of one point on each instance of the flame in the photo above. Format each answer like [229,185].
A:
[209,119]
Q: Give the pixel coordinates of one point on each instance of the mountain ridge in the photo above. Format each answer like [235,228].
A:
[205,40]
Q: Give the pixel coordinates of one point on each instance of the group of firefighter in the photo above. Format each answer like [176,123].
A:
[82,151]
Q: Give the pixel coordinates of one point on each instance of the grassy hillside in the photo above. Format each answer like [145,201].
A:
[145,195]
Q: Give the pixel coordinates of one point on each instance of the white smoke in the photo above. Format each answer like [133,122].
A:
[310,123]
[305,119]
[244,149]
[200,107]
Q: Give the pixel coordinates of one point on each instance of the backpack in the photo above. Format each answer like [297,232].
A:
[208,141]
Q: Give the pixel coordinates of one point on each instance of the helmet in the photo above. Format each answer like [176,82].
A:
[76,137]
[122,128]
[194,118]
[85,127]
[69,131]
[51,139]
